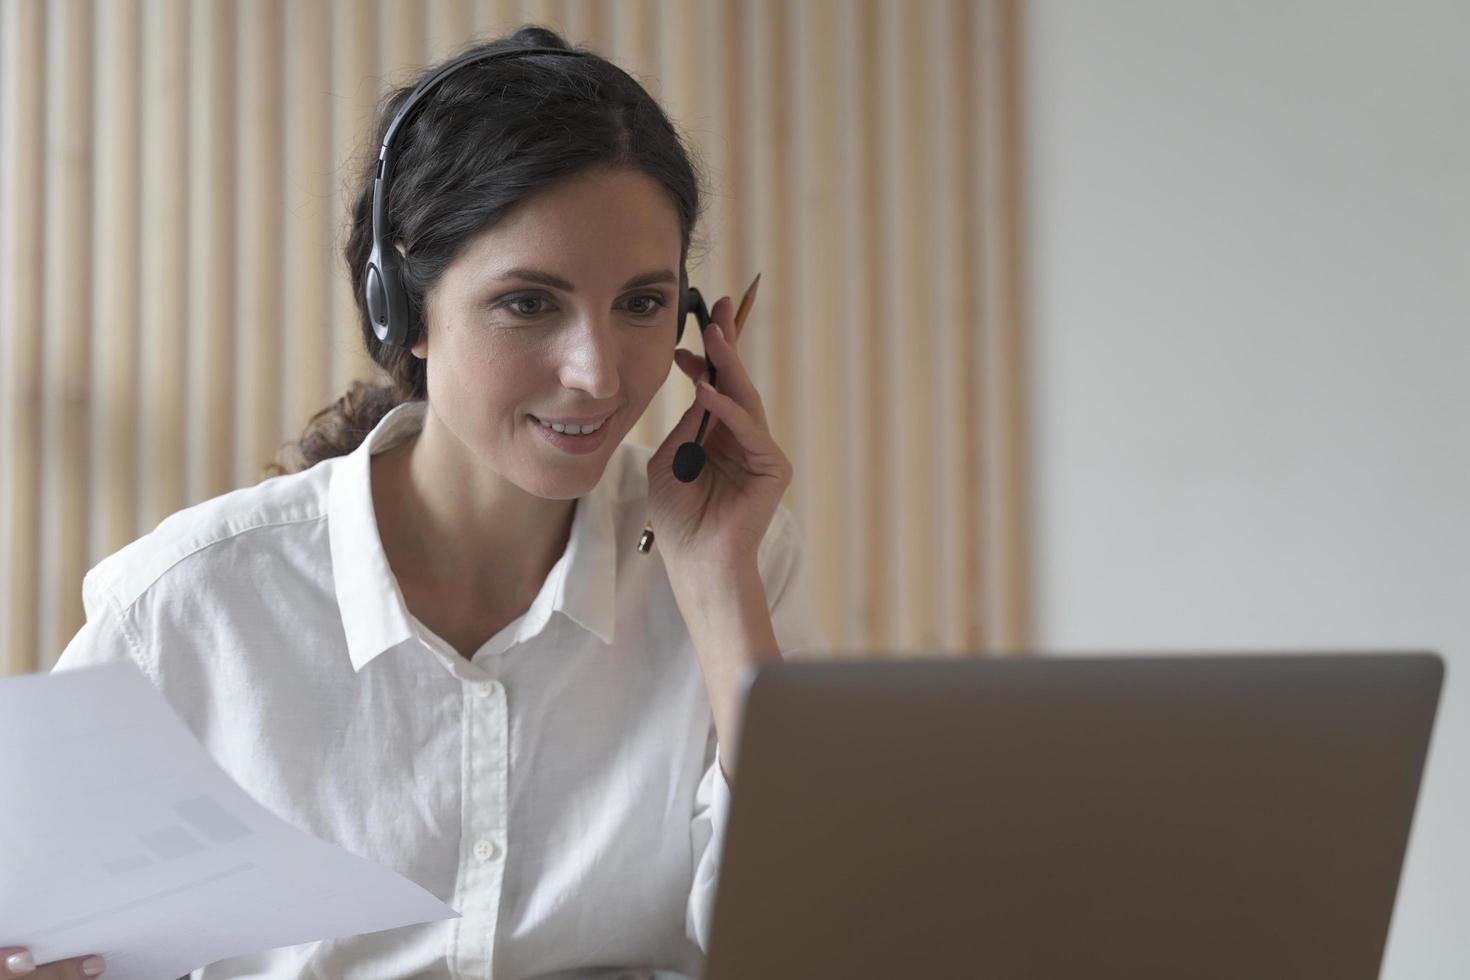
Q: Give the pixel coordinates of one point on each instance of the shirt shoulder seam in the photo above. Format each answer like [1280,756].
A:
[141,590]
[130,636]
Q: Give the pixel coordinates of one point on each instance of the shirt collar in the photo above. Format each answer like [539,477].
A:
[374,616]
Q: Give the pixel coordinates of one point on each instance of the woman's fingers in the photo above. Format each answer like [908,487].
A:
[16,961]
[693,367]
[762,455]
[732,378]
[690,363]
[736,402]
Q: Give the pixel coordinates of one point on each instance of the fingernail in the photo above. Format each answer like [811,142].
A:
[20,963]
[706,385]
[93,966]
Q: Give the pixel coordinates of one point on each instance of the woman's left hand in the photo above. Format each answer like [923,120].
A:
[719,519]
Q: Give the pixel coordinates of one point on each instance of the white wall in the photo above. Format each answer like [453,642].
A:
[1249,248]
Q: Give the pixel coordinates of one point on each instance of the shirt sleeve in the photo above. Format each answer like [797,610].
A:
[799,634]
[105,637]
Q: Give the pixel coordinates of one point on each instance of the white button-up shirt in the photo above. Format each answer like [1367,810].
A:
[561,789]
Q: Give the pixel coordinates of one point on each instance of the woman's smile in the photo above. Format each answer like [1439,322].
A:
[567,442]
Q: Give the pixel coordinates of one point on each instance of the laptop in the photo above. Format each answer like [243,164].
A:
[1202,816]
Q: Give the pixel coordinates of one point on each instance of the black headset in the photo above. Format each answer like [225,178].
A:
[387,299]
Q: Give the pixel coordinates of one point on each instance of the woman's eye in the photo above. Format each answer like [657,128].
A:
[656,301]
[515,305]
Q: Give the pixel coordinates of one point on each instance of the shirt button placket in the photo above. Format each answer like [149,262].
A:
[484,791]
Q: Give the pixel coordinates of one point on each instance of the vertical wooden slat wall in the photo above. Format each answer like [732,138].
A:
[67,245]
[22,248]
[213,250]
[116,289]
[174,184]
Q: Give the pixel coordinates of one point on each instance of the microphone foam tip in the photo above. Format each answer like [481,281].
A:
[688,461]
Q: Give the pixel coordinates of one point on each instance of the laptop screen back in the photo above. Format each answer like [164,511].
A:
[1147,817]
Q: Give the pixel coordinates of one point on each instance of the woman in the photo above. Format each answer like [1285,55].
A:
[431,638]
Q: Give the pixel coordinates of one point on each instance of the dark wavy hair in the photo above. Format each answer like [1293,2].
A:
[488,136]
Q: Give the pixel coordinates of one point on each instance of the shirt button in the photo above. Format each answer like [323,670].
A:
[486,688]
[484,850]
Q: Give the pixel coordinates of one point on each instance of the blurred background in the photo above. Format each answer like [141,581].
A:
[1090,327]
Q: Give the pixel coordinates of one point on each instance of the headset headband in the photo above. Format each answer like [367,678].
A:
[383,182]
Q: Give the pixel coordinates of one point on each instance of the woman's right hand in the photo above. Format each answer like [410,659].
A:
[15,961]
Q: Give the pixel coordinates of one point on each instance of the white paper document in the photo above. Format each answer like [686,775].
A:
[121,836]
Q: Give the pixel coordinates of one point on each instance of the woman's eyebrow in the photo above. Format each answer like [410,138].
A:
[557,282]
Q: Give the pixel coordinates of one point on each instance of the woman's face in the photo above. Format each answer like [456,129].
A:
[504,349]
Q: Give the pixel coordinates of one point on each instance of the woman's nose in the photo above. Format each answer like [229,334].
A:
[592,356]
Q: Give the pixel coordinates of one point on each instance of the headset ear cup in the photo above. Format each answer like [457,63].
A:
[391,319]
[375,290]
[377,300]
